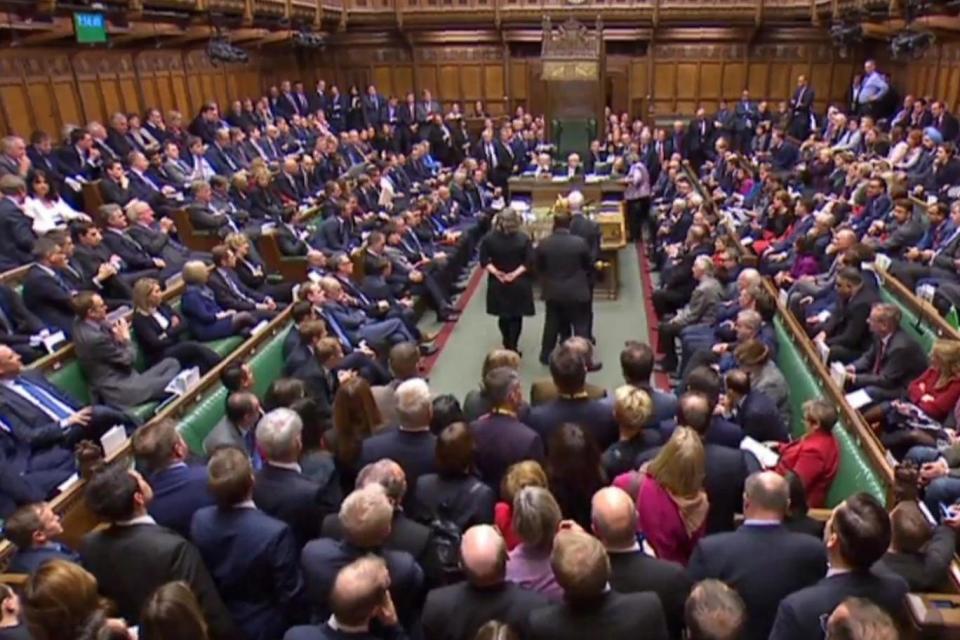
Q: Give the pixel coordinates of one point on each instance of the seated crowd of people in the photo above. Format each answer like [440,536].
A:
[349,501]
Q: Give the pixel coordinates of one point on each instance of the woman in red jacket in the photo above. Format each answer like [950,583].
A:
[814,458]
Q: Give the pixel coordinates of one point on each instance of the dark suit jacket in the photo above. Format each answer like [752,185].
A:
[564,265]
[16,235]
[888,371]
[758,417]
[135,258]
[925,571]
[255,563]
[113,192]
[406,535]
[29,560]
[847,326]
[798,616]
[295,499]
[131,562]
[500,441]
[616,616]
[226,297]
[178,492]
[23,324]
[321,560]
[28,424]
[634,571]
[455,612]
[594,416]
[764,564]
[414,451]
[153,340]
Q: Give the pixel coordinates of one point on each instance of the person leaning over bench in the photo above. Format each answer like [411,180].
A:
[106,353]
[39,425]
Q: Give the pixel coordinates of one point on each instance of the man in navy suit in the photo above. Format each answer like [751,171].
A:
[355,323]
[339,232]
[252,557]
[763,560]
[409,443]
[366,517]
[218,154]
[33,529]
[78,159]
[801,106]
[568,368]
[359,597]
[857,535]
[179,489]
[753,410]
[281,489]
[16,227]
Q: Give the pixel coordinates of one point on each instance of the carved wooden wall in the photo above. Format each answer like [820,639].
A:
[46,89]
[934,75]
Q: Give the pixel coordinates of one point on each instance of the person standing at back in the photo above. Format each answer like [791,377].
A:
[506,253]
[564,265]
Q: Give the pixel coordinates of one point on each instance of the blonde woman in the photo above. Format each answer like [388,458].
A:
[528,473]
[207,319]
[632,410]
[162,332]
[671,503]
[506,253]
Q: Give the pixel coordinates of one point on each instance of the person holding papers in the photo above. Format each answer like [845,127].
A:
[106,354]
[814,458]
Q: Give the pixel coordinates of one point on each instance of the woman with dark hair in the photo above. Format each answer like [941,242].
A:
[316,462]
[45,206]
[172,613]
[506,253]
[454,493]
[574,472]
[283,393]
[354,110]
[446,411]
[355,418]
[797,519]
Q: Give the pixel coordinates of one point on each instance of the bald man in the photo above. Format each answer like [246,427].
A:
[763,560]
[614,519]
[360,595]
[455,612]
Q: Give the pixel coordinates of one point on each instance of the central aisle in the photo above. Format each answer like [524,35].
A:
[457,368]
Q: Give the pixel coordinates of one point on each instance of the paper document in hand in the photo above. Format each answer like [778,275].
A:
[116,314]
[859,398]
[113,440]
[53,341]
[766,456]
[184,380]
[838,373]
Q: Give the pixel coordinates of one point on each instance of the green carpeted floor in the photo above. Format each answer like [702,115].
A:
[457,369]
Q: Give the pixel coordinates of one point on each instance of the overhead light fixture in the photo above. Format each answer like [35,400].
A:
[308,40]
[911,43]
[219,50]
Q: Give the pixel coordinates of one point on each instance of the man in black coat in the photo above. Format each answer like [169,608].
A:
[16,227]
[801,105]
[846,331]
[590,609]
[135,257]
[18,326]
[455,612]
[614,518]
[134,556]
[893,360]
[564,264]
[857,535]
[764,561]
[366,517]
[281,489]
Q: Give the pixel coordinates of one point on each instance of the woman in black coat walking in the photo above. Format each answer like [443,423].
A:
[507,255]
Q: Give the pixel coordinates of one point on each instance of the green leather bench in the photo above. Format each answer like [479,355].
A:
[267,366]
[71,379]
[855,473]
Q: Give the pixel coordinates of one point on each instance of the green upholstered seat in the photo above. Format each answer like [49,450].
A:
[225,346]
[855,473]
[267,366]
[70,378]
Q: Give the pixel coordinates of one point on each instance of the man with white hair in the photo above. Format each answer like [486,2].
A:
[702,308]
[409,443]
[281,490]
[13,157]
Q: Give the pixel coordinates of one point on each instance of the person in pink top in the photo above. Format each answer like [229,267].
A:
[671,503]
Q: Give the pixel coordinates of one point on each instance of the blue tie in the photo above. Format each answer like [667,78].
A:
[250,442]
[44,398]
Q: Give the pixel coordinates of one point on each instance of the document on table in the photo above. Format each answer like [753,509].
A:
[859,398]
[767,457]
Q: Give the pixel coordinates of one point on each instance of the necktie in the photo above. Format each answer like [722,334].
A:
[146,178]
[880,353]
[250,443]
[44,399]
[233,287]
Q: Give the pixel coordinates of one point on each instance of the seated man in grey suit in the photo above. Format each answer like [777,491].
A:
[106,354]
[701,309]
[238,427]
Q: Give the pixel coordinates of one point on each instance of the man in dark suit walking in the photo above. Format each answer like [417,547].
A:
[856,536]
[590,608]
[281,489]
[455,612]
[614,518]
[238,542]
[564,264]
[133,556]
[762,560]
[179,489]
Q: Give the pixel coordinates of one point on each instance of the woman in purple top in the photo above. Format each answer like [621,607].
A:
[536,518]
[805,261]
